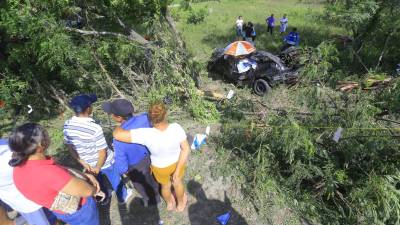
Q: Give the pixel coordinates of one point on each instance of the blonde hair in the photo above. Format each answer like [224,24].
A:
[157,112]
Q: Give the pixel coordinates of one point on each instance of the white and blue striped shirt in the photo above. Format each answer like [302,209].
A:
[88,138]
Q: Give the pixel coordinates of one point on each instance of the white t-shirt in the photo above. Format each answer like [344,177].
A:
[9,194]
[164,146]
[239,23]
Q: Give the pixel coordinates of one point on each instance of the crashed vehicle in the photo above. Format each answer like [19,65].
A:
[268,71]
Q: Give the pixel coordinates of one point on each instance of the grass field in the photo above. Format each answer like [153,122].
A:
[218,29]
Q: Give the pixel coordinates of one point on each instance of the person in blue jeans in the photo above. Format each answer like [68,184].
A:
[133,160]
[87,144]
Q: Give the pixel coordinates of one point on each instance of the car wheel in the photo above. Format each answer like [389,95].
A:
[261,87]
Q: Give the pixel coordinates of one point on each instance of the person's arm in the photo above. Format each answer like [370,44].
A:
[120,158]
[75,155]
[78,187]
[101,145]
[100,161]
[122,135]
[183,156]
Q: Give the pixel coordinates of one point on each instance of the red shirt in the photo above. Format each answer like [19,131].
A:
[41,180]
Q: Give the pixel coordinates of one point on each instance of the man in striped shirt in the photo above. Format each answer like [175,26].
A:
[87,144]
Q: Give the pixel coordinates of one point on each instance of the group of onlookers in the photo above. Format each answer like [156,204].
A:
[247,32]
[146,149]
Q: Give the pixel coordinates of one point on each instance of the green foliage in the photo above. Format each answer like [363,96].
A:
[373,26]
[60,61]
[319,63]
[332,182]
[197,16]
[11,92]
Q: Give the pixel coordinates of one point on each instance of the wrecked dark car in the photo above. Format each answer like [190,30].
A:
[266,69]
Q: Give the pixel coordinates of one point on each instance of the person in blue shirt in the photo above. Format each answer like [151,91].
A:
[292,39]
[133,159]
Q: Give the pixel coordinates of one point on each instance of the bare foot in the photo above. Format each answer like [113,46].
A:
[171,204]
[182,206]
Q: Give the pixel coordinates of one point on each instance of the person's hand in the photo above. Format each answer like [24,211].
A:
[95,170]
[93,181]
[85,165]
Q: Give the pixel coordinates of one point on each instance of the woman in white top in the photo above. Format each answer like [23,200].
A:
[284,23]
[169,151]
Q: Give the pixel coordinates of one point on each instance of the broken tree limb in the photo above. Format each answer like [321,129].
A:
[132,33]
[385,47]
[172,25]
[133,36]
[387,120]
[346,86]
[56,96]
[211,95]
[108,77]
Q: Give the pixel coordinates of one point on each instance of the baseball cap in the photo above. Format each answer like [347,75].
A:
[119,107]
[81,102]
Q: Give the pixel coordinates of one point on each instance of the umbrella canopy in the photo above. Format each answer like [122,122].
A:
[239,48]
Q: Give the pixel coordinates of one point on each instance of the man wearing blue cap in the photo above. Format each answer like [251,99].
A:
[133,159]
[86,143]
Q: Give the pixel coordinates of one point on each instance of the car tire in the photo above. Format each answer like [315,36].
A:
[261,87]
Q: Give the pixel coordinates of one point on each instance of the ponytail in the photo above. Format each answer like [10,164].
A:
[18,159]
[24,141]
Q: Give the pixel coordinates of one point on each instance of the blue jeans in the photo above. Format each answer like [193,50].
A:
[115,180]
[41,216]
[86,215]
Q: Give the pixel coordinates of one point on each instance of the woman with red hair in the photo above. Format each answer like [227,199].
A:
[169,151]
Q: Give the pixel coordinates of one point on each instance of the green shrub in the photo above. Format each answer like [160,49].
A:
[197,16]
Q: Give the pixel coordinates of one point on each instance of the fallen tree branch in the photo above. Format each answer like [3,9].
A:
[387,120]
[132,33]
[211,94]
[175,31]
[58,97]
[108,77]
[132,37]
[385,47]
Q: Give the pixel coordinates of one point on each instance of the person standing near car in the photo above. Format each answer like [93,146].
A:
[133,159]
[271,24]
[284,23]
[239,27]
[292,39]
[250,33]
[87,144]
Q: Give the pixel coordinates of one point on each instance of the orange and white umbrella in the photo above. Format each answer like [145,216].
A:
[238,48]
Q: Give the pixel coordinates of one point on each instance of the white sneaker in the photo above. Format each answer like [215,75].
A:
[129,193]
